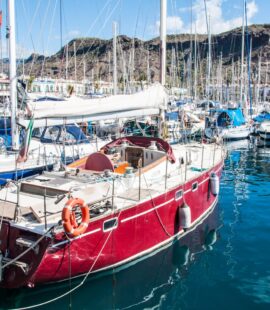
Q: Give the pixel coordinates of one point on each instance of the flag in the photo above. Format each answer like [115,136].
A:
[26,142]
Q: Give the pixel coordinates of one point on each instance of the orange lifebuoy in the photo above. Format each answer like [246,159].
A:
[69,220]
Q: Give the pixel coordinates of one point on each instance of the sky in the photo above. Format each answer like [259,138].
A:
[38,21]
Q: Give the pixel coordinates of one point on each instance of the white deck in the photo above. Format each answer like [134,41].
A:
[95,187]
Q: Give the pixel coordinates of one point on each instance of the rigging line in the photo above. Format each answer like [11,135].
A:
[77,286]
[49,35]
[27,250]
[42,28]
[137,18]
[91,27]
[103,26]
[32,21]
[153,203]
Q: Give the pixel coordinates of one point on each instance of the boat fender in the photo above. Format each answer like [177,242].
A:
[214,184]
[185,216]
[69,219]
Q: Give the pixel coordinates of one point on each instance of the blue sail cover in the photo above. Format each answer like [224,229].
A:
[231,117]
[264,116]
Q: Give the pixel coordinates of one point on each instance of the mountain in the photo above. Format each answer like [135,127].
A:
[94,56]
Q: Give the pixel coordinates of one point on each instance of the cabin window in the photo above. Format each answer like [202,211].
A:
[37,132]
[146,155]
[110,224]
[67,137]
[51,133]
[152,156]
[194,186]
[178,195]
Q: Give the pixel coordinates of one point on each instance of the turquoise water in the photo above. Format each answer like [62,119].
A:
[223,264]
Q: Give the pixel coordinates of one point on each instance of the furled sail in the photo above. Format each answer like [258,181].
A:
[75,109]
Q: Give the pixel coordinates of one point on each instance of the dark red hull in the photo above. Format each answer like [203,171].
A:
[141,229]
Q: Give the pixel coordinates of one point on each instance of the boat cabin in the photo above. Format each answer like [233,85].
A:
[133,152]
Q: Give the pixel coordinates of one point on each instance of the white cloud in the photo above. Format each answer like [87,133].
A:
[252,9]
[174,25]
[72,34]
[218,21]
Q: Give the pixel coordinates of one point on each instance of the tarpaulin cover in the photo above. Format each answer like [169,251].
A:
[231,117]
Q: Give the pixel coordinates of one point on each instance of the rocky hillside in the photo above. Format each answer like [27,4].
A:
[94,56]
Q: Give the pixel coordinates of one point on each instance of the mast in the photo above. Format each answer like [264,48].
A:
[195,65]
[163,15]
[249,49]
[220,79]
[12,74]
[84,69]
[209,55]
[109,63]
[1,43]
[209,62]
[259,80]
[242,54]
[148,68]
[67,62]
[114,58]
[75,60]
[132,63]
[190,90]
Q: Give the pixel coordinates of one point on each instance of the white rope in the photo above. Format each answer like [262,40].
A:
[161,223]
[77,286]
[27,250]
[103,26]
[89,30]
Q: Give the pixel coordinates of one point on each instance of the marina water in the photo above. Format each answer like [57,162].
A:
[222,264]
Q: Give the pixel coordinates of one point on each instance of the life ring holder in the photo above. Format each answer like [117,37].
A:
[69,220]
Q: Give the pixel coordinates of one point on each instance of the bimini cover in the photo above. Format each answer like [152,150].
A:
[231,117]
[56,134]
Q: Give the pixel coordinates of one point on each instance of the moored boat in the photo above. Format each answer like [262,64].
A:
[230,124]
[264,130]
[133,197]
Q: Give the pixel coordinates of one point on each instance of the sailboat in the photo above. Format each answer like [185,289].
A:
[10,167]
[230,124]
[133,197]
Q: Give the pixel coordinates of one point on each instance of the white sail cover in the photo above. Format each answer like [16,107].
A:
[152,99]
